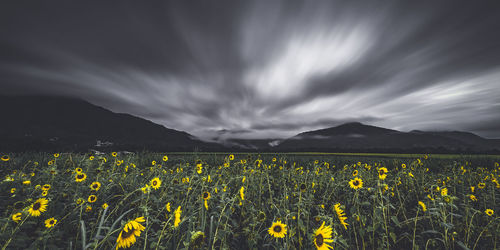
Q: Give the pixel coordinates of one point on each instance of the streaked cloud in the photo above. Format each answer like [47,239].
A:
[264,69]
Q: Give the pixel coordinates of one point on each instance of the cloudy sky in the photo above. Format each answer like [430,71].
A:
[259,69]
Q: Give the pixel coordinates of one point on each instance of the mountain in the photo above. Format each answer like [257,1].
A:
[357,137]
[44,123]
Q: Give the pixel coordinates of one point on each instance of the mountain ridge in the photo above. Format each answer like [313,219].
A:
[48,123]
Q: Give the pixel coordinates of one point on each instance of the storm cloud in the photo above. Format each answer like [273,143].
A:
[263,69]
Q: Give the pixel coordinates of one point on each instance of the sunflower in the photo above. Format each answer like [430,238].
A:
[88,209]
[92,198]
[322,236]
[206,197]
[46,187]
[277,229]
[382,173]
[355,173]
[91,157]
[133,228]
[12,190]
[56,155]
[341,215]
[444,192]
[303,187]
[177,215]
[50,222]
[38,207]
[155,183]
[356,183]
[79,177]
[481,185]
[168,207]
[16,217]
[424,208]
[472,197]
[196,240]
[95,186]
[5,158]
[165,158]
[105,205]
[45,193]
[489,212]
[114,154]
[231,157]
[242,194]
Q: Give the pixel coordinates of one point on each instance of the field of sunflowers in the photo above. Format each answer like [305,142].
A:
[248,201]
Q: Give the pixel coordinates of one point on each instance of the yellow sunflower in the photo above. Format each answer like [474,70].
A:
[155,183]
[114,154]
[79,177]
[16,217]
[355,173]
[424,208]
[92,198]
[382,173]
[231,157]
[356,183]
[168,207]
[341,215]
[105,205]
[472,197]
[50,222]
[323,236]
[177,215]
[56,155]
[206,197]
[95,186]
[46,187]
[242,194]
[277,229]
[481,185]
[5,158]
[165,158]
[489,212]
[133,228]
[38,207]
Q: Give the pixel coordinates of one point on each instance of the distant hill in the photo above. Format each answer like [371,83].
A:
[40,123]
[58,123]
[357,137]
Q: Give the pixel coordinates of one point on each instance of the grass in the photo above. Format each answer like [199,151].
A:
[225,203]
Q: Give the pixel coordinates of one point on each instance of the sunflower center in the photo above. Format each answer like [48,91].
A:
[92,198]
[37,206]
[381,172]
[277,229]
[155,183]
[302,186]
[51,222]
[205,195]
[319,240]
[80,176]
[95,186]
[356,183]
[130,232]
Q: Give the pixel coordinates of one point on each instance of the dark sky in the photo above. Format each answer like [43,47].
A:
[255,69]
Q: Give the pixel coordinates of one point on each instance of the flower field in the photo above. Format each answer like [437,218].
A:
[248,201]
